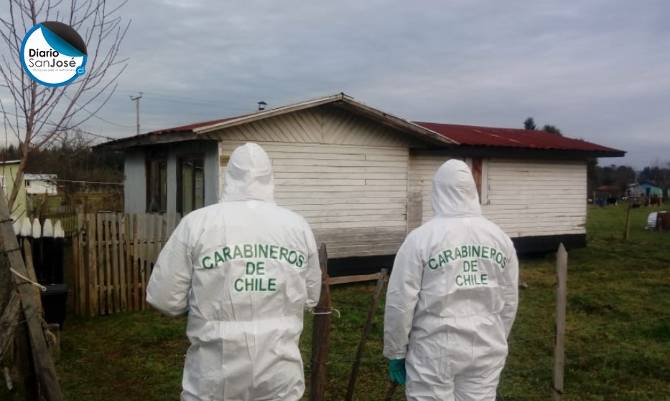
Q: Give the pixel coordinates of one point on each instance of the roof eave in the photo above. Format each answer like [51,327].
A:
[269,113]
[396,122]
[150,138]
[503,151]
[341,100]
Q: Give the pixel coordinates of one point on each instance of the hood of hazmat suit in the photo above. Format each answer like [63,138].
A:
[244,270]
[452,296]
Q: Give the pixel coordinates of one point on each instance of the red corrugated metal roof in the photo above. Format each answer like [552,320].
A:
[512,138]
[191,127]
[436,133]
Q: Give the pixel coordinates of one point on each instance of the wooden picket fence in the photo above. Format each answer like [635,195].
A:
[114,254]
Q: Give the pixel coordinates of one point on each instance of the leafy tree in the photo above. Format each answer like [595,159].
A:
[529,124]
[551,129]
[592,174]
[658,174]
[71,158]
[615,176]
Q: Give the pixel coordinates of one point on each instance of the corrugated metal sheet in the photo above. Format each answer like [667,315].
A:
[440,135]
[473,135]
[512,138]
[191,127]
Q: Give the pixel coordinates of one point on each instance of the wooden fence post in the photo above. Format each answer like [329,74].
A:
[113,240]
[137,265]
[77,244]
[31,307]
[626,232]
[561,300]
[381,282]
[10,315]
[90,255]
[103,262]
[321,333]
[121,221]
[114,258]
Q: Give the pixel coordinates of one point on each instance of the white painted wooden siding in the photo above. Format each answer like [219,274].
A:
[534,198]
[346,176]
[326,124]
[524,197]
[422,169]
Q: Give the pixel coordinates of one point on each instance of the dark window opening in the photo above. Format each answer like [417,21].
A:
[190,184]
[477,174]
[156,184]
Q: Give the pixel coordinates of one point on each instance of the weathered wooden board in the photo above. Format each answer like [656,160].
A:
[30,304]
[524,197]
[115,253]
[355,210]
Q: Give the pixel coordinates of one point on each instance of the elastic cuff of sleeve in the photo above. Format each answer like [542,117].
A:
[395,355]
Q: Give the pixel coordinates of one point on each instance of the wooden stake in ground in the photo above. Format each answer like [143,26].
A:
[381,281]
[561,298]
[8,320]
[626,232]
[31,306]
[321,333]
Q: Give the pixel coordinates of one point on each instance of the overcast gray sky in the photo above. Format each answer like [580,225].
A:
[599,70]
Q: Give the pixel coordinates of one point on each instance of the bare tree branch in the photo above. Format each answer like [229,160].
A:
[42,115]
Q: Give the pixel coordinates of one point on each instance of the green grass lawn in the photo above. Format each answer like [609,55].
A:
[618,331]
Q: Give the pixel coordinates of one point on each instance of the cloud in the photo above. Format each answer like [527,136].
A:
[597,69]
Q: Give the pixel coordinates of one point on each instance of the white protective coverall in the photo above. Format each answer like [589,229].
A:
[452,296]
[244,270]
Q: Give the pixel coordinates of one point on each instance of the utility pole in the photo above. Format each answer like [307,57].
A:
[136,99]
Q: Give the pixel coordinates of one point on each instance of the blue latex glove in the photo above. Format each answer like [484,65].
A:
[397,370]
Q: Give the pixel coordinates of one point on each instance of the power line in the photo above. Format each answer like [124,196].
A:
[173,97]
[185,99]
[108,138]
[83,131]
[98,117]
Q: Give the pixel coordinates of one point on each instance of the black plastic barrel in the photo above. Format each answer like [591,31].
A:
[54,302]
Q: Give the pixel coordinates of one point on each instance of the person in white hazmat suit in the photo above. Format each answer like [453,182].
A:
[452,298]
[244,270]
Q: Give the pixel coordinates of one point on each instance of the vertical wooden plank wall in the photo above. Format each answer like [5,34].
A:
[114,255]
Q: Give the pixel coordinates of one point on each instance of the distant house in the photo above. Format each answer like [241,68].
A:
[8,171]
[651,190]
[647,190]
[40,184]
[607,194]
[362,177]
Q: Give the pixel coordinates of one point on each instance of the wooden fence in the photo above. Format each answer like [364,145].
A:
[114,254]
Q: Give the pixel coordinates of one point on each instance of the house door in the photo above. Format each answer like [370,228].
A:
[190,183]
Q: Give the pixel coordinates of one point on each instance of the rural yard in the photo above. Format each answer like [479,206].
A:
[169,190]
[618,331]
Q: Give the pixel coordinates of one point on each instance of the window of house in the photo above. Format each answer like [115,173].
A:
[190,184]
[156,172]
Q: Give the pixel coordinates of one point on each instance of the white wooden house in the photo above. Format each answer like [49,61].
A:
[40,184]
[362,177]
